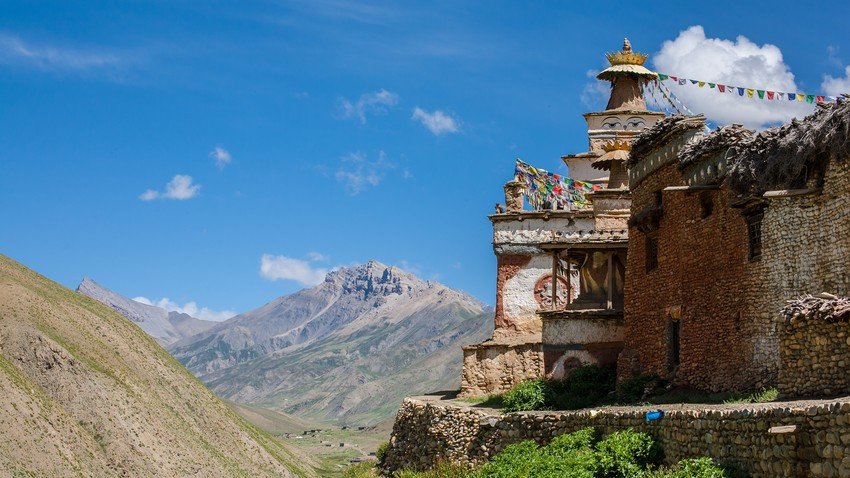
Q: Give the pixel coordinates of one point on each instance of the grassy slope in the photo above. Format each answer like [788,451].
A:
[86,392]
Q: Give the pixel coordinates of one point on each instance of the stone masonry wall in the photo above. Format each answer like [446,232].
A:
[814,357]
[495,368]
[427,431]
[702,281]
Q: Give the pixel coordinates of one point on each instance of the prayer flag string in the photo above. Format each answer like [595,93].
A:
[744,92]
[545,190]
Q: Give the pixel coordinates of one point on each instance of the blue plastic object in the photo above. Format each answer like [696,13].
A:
[654,415]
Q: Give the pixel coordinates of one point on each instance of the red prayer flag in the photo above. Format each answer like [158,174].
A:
[557,177]
[721,88]
[819,99]
[769,95]
[674,78]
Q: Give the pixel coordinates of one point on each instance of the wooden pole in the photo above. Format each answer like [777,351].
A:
[610,280]
[554,279]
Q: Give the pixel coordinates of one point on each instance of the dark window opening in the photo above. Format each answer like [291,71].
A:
[754,235]
[659,199]
[706,205]
[651,252]
[674,344]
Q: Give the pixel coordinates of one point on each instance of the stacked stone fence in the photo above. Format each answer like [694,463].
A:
[789,439]
[814,356]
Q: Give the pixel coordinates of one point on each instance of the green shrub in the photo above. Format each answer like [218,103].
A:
[692,468]
[381,452]
[360,470]
[631,390]
[584,387]
[514,461]
[626,454]
[579,440]
[443,469]
[527,395]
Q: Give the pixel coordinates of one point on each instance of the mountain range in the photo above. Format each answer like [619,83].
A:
[164,326]
[347,350]
[87,393]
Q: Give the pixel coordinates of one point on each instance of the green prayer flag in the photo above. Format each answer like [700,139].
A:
[662,76]
[810,98]
[711,85]
[761,94]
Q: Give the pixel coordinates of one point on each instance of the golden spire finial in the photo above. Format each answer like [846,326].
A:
[626,56]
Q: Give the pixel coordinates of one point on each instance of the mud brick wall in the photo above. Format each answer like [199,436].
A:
[818,445]
[703,277]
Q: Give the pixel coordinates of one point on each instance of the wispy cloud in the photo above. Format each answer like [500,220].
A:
[190,308]
[738,62]
[371,13]
[374,103]
[595,93]
[437,122]
[180,188]
[837,86]
[318,257]
[274,267]
[18,52]
[222,157]
[358,173]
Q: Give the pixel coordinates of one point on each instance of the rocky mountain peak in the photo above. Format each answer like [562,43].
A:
[374,279]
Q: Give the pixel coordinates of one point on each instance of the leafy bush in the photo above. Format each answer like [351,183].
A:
[527,395]
[584,387]
[443,469]
[631,390]
[627,454]
[581,454]
[692,468]
[360,470]
[381,452]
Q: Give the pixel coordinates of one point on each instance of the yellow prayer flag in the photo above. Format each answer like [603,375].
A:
[701,83]
[750,92]
[800,97]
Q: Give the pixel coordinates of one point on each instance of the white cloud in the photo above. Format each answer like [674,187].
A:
[595,93]
[437,122]
[357,173]
[222,157]
[737,63]
[318,257]
[378,102]
[190,308]
[837,86]
[180,188]
[16,51]
[288,268]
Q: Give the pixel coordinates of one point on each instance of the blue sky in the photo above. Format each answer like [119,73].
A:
[346,130]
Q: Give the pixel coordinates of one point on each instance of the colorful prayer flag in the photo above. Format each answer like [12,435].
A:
[701,83]
[693,82]
[750,92]
[674,78]
[770,95]
[791,96]
[721,88]
[761,94]
[711,85]
[682,81]
[810,98]
[800,97]
[662,77]
[819,99]
[740,91]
